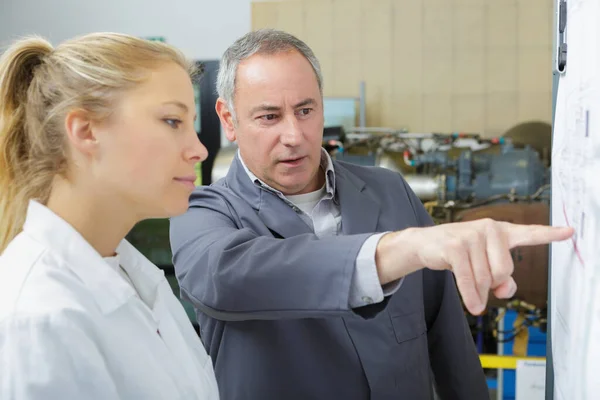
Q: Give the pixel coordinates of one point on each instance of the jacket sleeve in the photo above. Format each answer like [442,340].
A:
[235,274]
[454,360]
[43,359]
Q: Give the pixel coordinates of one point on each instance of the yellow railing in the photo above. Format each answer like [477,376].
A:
[493,361]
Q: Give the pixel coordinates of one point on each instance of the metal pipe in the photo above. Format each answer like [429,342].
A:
[425,186]
[363,105]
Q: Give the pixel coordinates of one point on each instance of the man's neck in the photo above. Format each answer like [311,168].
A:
[316,183]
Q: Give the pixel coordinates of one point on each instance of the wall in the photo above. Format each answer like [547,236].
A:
[429,65]
[201,28]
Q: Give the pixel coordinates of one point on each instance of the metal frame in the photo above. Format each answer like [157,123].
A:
[555,79]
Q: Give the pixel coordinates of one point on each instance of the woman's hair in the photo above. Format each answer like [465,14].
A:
[39,85]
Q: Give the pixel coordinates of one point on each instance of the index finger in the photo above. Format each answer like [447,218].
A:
[532,235]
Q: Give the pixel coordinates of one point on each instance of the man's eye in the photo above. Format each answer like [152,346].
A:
[305,111]
[173,123]
[269,117]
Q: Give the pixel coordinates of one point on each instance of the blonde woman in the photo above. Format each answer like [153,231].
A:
[95,135]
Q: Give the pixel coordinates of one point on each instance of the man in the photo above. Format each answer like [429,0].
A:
[308,274]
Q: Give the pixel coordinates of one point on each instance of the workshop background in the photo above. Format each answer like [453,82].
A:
[455,95]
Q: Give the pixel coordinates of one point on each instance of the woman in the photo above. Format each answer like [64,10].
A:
[95,135]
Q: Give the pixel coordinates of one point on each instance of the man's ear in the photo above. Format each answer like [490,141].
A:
[226,119]
[80,134]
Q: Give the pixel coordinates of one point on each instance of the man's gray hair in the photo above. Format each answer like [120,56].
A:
[262,41]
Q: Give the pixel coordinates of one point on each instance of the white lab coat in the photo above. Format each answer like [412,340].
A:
[72,328]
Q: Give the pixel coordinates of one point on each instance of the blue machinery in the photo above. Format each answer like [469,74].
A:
[517,172]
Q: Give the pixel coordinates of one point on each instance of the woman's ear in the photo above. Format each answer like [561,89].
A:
[78,126]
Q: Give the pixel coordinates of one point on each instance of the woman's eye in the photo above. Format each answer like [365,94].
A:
[173,123]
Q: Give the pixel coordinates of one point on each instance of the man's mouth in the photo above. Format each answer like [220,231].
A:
[292,161]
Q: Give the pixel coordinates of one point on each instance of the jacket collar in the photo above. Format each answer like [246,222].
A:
[359,207]
[103,282]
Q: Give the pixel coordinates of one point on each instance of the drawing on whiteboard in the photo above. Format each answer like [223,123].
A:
[575,283]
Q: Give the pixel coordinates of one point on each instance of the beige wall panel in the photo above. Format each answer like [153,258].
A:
[346,56]
[407,47]
[437,25]
[534,26]
[407,64]
[471,2]
[468,113]
[501,24]
[318,34]
[501,112]
[409,111]
[437,112]
[534,106]
[264,15]
[501,69]
[534,69]
[290,17]
[376,44]
[469,27]
[437,70]
[468,71]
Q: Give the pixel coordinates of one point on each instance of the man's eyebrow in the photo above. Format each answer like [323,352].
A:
[272,108]
[264,107]
[305,102]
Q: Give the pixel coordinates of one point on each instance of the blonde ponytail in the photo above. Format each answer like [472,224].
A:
[17,69]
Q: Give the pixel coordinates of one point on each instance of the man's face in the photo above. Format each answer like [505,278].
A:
[279,112]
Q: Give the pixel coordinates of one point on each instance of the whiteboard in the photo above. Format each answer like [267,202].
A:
[531,380]
[575,273]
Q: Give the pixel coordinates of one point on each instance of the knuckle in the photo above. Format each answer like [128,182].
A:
[489,224]
[484,281]
[502,272]
[454,244]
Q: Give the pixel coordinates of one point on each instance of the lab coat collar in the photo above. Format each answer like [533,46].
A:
[110,291]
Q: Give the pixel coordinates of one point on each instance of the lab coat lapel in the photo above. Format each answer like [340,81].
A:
[169,332]
[360,211]
[153,290]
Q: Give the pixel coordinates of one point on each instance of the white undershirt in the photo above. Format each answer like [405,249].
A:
[307,201]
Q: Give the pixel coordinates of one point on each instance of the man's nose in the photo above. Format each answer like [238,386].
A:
[292,133]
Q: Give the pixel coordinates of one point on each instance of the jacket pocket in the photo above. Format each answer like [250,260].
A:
[408,326]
